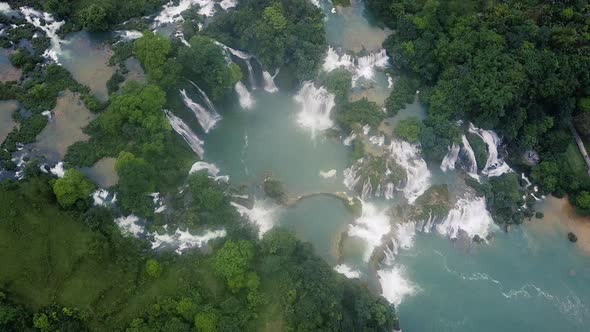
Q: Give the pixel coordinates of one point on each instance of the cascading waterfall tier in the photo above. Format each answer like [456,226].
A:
[316,105]
[195,143]
[361,67]
[470,216]
[171,12]
[408,156]
[269,83]
[494,165]
[207,118]
[263,214]
[244,96]
[371,227]
[50,26]
[375,177]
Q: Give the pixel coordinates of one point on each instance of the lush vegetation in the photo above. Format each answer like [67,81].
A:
[73,270]
[409,129]
[93,15]
[519,67]
[286,34]
[361,112]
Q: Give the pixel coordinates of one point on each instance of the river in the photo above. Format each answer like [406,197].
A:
[529,279]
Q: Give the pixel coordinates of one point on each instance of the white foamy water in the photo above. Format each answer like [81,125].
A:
[195,143]
[403,237]
[472,162]
[372,225]
[348,140]
[102,197]
[212,171]
[494,165]
[328,174]
[408,156]
[469,215]
[269,83]
[207,118]
[263,214]
[182,240]
[171,12]
[361,67]
[449,161]
[127,35]
[58,170]
[208,102]
[130,225]
[316,105]
[50,27]
[395,285]
[5,8]
[347,271]
[244,96]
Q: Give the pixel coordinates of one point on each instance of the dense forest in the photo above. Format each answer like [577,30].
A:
[67,266]
[519,67]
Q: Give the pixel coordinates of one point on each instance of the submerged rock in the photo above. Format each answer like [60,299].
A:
[572,237]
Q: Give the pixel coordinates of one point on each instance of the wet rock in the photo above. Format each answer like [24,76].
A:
[572,237]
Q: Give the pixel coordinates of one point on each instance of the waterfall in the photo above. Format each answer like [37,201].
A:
[128,35]
[469,215]
[269,83]
[207,119]
[408,157]
[372,225]
[388,194]
[365,66]
[50,27]
[5,8]
[263,214]
[449,161]
[316,105]
[212,171]
[171,12]
[334,61]
[361,67]
[395,284]
[494,166]
[195,143]
[247,60]
[468,152]
[206,99]
[347,271]
[244,95]
[351,179]
[182,240]
[130,225]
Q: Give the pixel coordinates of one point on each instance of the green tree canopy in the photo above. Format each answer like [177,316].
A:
[409,129]
[72,187]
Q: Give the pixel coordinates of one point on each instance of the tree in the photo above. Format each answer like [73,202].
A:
[205,61]
[339,82]
[363,112]
[409,129]
[137,105]
[72,187]
[136,182]
[583,200]
[153,51]
[206,321]
[94,18]
[233,262]
[153,268]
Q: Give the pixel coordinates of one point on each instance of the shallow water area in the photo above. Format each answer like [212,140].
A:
[249,144]
[102,173]
[352,28]
[86,56]
[319,220]
[64,128]
[559,219]
[7,71]
[7,108]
